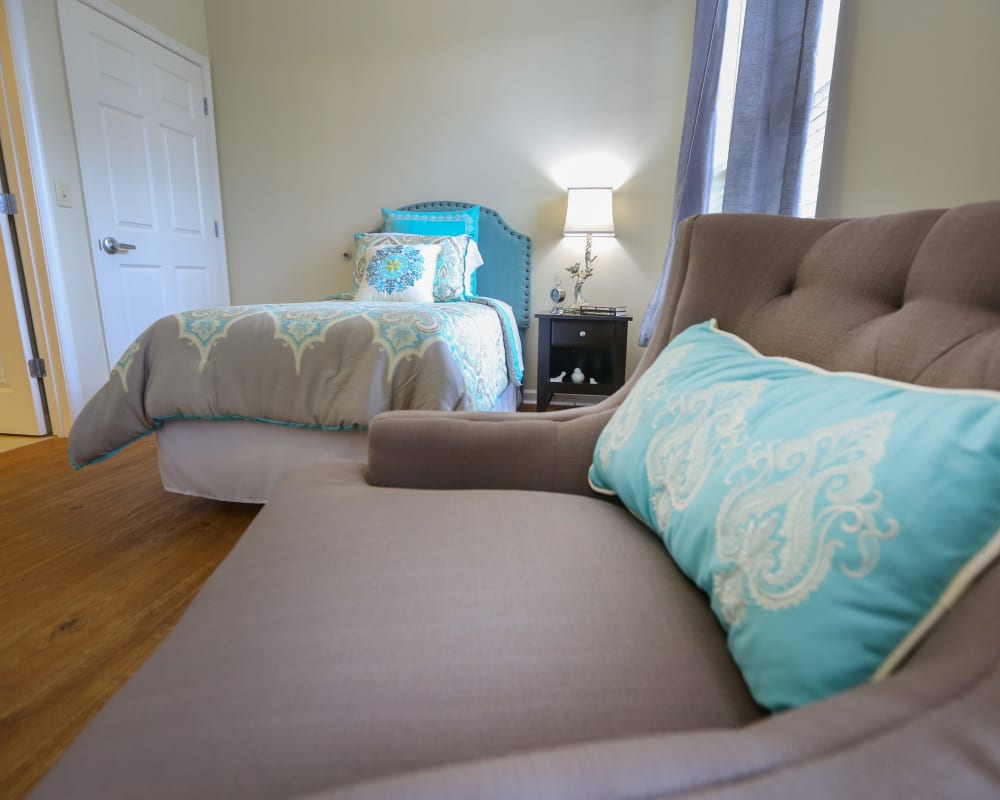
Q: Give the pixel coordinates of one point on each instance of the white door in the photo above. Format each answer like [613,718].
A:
[140,115]
[21,404]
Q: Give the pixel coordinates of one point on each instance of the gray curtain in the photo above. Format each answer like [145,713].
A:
[694,167]
[774,89]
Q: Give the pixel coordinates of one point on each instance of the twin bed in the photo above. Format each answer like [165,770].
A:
[241,395]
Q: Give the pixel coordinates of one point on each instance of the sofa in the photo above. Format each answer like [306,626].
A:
[464,617]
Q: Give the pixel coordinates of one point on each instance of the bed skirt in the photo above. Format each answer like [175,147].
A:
[242,462]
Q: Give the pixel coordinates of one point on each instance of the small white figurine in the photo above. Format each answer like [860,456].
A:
[577,376]
[593,381]
[558,378]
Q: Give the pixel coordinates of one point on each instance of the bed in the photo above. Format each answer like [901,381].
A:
[240,396]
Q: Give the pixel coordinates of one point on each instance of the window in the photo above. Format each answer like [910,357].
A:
[817,116]
[725,100]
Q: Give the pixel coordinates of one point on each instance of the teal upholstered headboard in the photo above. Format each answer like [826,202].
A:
[506,270]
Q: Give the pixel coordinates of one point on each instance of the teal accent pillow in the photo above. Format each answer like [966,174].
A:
[433,223]
[832,518]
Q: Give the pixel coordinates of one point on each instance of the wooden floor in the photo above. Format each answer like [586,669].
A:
[96,567]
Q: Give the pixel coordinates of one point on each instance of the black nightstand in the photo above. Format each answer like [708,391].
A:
[594,344]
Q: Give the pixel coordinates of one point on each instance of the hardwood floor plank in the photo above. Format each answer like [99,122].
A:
[96,567]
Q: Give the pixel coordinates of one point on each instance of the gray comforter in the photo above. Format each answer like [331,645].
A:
[330,365]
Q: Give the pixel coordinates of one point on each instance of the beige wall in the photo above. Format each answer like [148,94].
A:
[35,34]
[182,20]
[327,111]
[914,115]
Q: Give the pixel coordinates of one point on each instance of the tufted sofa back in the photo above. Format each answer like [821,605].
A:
[913,297]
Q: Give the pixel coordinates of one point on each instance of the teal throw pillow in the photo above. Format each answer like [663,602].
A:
[832,518]
[433,223]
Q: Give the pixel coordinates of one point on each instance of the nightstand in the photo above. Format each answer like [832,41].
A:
[594,344]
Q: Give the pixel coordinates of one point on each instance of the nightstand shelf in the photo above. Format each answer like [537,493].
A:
[594,344]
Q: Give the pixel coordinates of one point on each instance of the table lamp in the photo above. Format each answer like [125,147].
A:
[588,213]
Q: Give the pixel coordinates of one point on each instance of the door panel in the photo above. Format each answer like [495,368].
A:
[127,154]
[193,286]
[115,62]
[143,294]
[180,152]
[143,137]
[174,90]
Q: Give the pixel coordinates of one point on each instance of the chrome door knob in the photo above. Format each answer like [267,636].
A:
[110,245]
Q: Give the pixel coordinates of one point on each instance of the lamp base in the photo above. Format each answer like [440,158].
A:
[580,276]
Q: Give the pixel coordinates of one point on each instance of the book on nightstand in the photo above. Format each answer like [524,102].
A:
[603,311]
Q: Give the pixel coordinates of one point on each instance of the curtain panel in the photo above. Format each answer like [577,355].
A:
[694,166]
[774,89]
[773,101]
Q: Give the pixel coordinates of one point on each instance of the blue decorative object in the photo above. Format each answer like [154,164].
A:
[453,222]
[397,272]
[456,264]
[394,269]
[506,270]
[831,517]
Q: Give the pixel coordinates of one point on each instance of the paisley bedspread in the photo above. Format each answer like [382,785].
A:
[331,365]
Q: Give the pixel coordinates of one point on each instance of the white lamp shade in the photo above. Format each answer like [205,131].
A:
[588,210]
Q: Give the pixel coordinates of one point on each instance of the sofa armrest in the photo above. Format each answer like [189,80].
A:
[448,450]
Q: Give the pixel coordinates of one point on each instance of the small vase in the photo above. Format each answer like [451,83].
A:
[577,376]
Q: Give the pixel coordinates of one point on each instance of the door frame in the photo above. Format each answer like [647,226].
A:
[30,236]
[56,301]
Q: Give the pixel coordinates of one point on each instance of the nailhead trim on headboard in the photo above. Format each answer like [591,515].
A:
[511,291]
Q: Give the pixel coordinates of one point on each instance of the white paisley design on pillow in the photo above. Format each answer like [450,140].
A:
[696,430]
[636,405]
[792,506]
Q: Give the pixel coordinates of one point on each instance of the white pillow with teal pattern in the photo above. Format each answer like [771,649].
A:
[457,261]
[401,273]
[832,518]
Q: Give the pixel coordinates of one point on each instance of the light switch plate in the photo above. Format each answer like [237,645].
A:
[63,197]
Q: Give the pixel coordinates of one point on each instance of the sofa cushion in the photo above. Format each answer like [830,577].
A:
[357,632]
[831,517]
[931,731]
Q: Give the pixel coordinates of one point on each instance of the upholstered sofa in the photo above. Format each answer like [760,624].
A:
[463,617]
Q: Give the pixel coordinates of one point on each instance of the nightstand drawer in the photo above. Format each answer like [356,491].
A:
[582,333]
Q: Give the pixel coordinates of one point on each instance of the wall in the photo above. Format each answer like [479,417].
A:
[326,112]
[182,20]
[35,33]
[913,111]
